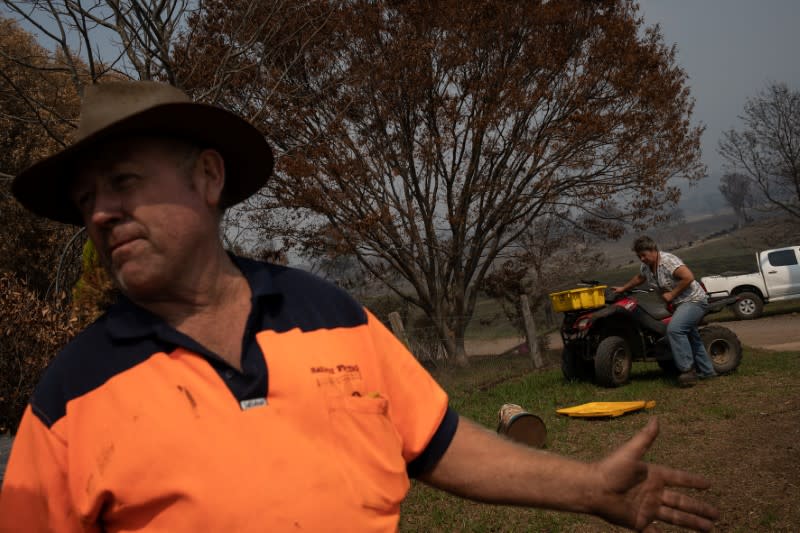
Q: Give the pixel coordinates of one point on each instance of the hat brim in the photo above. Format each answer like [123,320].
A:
[43,188]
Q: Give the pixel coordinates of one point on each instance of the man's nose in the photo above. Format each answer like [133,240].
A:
[107,208]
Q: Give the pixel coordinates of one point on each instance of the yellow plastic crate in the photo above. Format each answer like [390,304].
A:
[574,299]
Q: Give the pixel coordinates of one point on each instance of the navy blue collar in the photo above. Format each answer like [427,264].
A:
[258,276]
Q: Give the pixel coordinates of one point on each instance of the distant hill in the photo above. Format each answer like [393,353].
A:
[709,244]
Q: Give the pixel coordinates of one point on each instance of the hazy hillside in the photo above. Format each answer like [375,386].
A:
[702,198]
[709,245]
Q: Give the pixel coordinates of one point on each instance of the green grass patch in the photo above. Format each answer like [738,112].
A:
[768,363]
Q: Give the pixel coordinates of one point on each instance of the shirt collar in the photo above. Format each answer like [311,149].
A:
[258,276]
[126,320]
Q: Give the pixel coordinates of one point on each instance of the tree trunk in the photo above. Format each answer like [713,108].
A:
[740,218]
[460,356]
[398,329]
[530,332]
[453,342]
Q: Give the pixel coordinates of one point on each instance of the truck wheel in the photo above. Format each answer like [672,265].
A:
[574,367]
[749,306]
[612,362]
[723,347]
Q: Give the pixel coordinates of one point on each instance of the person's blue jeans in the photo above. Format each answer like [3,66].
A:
[684,339]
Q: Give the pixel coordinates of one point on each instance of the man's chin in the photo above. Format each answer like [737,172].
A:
[137,286]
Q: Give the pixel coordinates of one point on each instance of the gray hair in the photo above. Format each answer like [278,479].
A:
[644,244]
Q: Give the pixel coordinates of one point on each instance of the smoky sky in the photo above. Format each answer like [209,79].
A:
[731,50]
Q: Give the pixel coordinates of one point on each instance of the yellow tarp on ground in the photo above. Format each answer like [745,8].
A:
[611,409]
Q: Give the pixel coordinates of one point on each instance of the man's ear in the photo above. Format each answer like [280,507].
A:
[211,169]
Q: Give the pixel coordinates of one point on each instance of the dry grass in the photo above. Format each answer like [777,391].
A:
[741,431]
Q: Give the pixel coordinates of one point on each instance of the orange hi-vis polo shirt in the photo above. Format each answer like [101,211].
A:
[135,426]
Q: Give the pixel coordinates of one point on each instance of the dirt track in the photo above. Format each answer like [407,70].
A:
[779,333]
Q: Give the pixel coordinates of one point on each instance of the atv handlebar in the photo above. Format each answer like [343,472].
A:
[595,283]
[640,291]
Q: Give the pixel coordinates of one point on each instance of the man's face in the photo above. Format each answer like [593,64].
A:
[149,210]
[648,257]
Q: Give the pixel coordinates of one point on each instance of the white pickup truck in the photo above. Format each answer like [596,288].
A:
[778,278]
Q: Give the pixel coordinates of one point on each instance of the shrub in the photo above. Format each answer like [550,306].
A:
[30,246]
[33,331]
[94,291]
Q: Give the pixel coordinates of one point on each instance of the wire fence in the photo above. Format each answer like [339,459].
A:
[490,332]
[69,265]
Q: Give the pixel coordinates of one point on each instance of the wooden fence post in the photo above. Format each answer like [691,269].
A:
[530,332]
[397,328]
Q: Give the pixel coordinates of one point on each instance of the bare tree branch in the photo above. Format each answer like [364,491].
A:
[425,141]
[767,150]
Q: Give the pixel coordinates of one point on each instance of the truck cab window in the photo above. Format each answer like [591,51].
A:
[782,258]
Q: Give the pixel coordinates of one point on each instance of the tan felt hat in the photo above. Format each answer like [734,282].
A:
[117,109]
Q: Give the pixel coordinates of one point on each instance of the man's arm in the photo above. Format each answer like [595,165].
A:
[620,488]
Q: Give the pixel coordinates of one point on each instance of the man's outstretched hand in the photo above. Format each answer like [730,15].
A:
[635,494]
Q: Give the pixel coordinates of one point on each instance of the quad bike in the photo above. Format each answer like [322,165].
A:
[604,333]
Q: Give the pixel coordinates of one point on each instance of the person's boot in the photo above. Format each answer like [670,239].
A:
[688,378]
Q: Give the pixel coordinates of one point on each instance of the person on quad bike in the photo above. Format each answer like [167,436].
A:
[676,284]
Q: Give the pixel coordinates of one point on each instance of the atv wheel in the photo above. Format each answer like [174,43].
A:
[723,347]
[574,367]
[612,362]
[749,306]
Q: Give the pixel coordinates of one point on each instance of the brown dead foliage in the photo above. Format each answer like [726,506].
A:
[94,291]
[33,331]
[424,138]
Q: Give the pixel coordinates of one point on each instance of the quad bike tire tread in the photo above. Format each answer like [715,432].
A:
[716,338]
[612,362]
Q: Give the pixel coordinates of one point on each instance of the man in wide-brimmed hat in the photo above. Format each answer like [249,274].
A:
[225,394]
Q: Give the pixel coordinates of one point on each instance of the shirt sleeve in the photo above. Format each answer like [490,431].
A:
[35,495]
[418,406]
[436,447]
[672,263]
